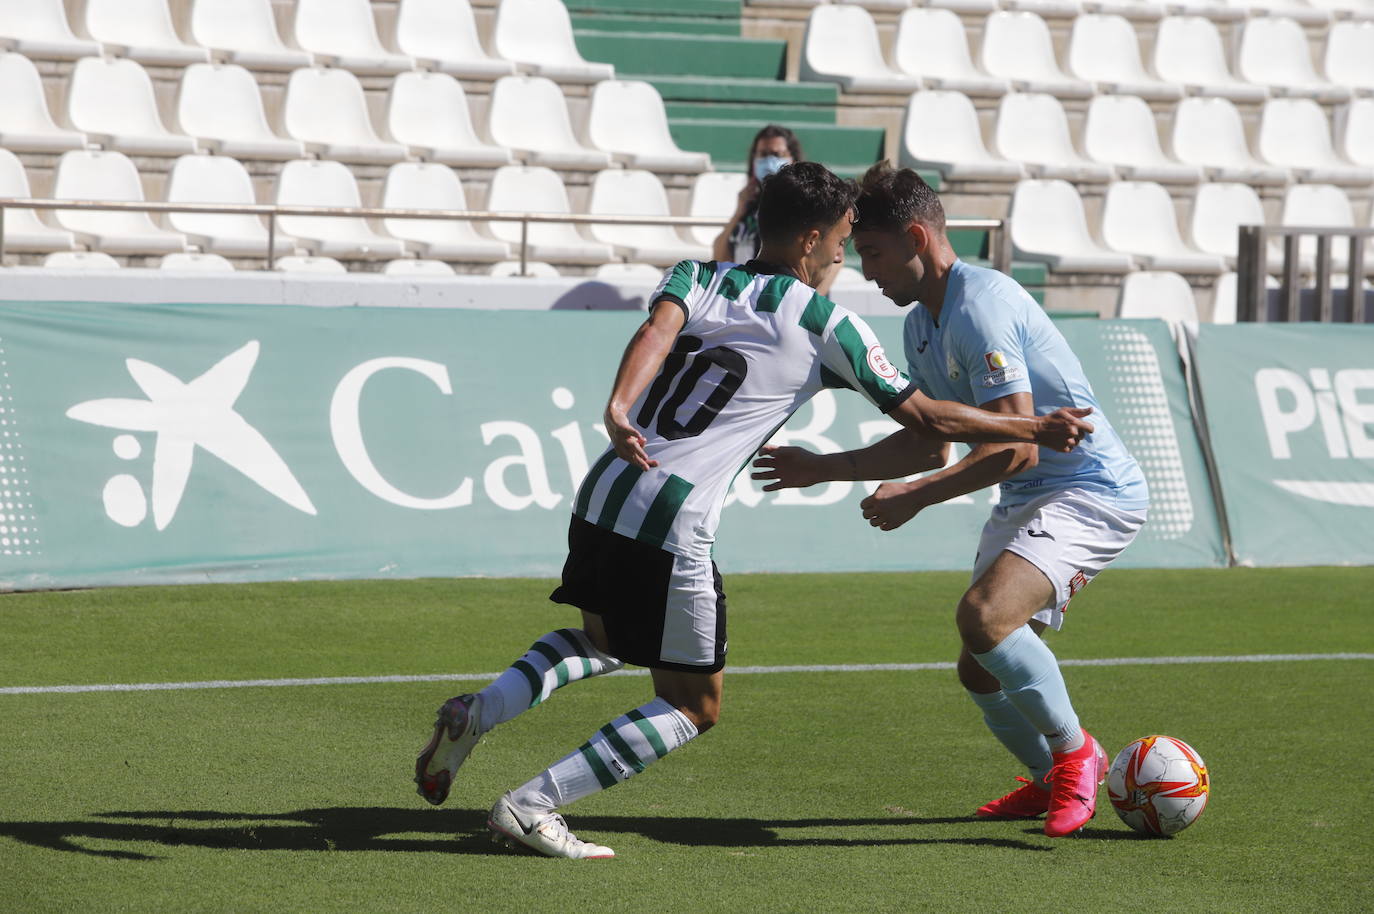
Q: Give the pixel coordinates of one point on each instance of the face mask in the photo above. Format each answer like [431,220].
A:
[769,165]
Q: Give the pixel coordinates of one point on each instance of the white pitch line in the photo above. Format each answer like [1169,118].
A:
[734,671]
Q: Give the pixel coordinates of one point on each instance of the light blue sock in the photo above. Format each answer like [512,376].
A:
[1016,733]
[1031,680]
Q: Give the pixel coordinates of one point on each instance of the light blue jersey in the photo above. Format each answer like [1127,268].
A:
[993,340]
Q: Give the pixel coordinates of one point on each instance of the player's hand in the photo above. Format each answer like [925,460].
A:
[1064,429]
[627,441]
[892,505]
[787,468]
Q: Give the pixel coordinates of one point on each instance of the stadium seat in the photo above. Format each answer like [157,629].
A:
[310,182]
[1047,9]
[219,179]
[1318,206]
[1359,10]
[1144,10]
[103,175]
[715,194]
[639,273]
[1219,210]
[1188,52]
[80,260]
[1273,53]
[1121,131]
[244,32]
[26,125]
[1299,11]
[538,34]
[1033,129]
[111,100]
[1048,226]
[534,269]
[39,29]
[533,189]
[963,7]
[426,185]
[633,192]
[343,33]
[1105,51]
[428,114]
[24,231]
[1295,134]
[1349,58]
[940,131]
[426,268]
[1138,218]
[221,107]
[628,120]
[841,46]
[142,30]
[530,115]
[885,6]
[1017,47]
[1158,294]
[442,35]
[1208,132]
[298,264]
[1354,124]
[195,263]
[931,44]
[325,108]
[1224,295]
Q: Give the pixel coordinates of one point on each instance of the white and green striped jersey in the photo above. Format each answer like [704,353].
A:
[756,345]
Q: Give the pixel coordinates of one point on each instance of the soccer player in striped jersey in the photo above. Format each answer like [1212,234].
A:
[978,338]
[727,354]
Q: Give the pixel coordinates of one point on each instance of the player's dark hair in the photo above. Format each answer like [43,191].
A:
[794,146]
[892,199]
[801,197]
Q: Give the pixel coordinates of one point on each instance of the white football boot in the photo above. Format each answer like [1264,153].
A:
[545,834]
[455,733]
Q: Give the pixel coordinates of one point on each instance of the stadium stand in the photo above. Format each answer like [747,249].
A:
[197,263]
[1295,134]
[1049,225]
[442,35]
[628,120]
[530,115]
[638,192]
[1138,218]
[1120,131]
[313,182]
[304,264]
[1105,51]
[80,260]
[1209,132]
[1349,56]
[142,30]
[325,108]
[220,106]
[538,34]
[218,179]
[630,272]
[343,34]
[426,185]
[1189,53]
[26,124]
[1157,293]
[941,131]
[418,268]
[931,43]
[1218,211]
[534,269]
[714,194]
[243,32]
[23,230]
[105,175]
[113,103]
[39,29]
[1017,46]
[535,189]
[1316,205]
[1354,128]
[1033,129]
[428,113]
[841,45]
[1274,53]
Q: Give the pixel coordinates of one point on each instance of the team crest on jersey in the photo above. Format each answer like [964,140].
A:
[878,362]
[1000,371]
[952,366]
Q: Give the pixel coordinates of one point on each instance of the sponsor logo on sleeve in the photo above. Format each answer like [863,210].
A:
[878,362]
[1003,376]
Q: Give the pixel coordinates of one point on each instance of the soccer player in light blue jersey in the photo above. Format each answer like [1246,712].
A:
[976,337]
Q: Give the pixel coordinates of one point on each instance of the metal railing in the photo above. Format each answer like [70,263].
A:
[1252,267]
[999,242]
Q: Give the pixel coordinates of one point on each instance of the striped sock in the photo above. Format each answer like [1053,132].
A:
[552,662]
[1016,733]
[619,750]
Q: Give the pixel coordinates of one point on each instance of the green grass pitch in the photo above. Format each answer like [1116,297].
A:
[818,791]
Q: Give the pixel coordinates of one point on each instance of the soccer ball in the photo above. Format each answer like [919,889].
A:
[1158,785]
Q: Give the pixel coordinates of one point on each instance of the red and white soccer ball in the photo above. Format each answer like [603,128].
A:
[1158,785]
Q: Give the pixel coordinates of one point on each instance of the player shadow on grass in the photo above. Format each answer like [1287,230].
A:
[450,831]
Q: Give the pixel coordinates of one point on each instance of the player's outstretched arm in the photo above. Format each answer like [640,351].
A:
[642,360]
[1062,430]
[900,454]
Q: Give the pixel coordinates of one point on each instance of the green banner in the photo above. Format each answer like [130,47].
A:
[159,444]
[1290,415]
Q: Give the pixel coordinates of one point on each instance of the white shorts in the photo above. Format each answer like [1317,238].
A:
[1069,535]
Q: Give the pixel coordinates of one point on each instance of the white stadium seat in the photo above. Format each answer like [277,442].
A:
[534,269]
[1105,51]
[220,105]
[1033,129]
[715,194]
[218,179]
[1208,132]
[1188,52]
[1318,206]
[1017,47]
[310,182]
[1295,134]
[1047,9]
[195,263]
[963,7]
[1224,296]
[638,273]
[940,131]
[1120,131]
[1144,10]
[1138,218]
[142,29]
[1219,211]
[442,35]
[530,115]
[1355,131]
[244,32]
[418,268]
[633,192]
[538,34]
[1274,53]
[1349,58]
[627,119]
[841,46]
[1213,10]
[298,264]
[24,231]
[527,189]
[425,185]
[112,101]
[80,260]
[1048,226]
[326,108]
[342,33]
[39,29]
[1358,10]
[1297,10]
[26,125]
[92,175]
[932,44]
[1159,294]
[428,113]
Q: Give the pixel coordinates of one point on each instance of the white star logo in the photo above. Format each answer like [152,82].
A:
[196,413]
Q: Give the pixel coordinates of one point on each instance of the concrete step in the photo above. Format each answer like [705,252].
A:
[753,113]
[686,55]
[654,25]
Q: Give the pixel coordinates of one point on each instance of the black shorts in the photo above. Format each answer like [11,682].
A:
[660,610]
